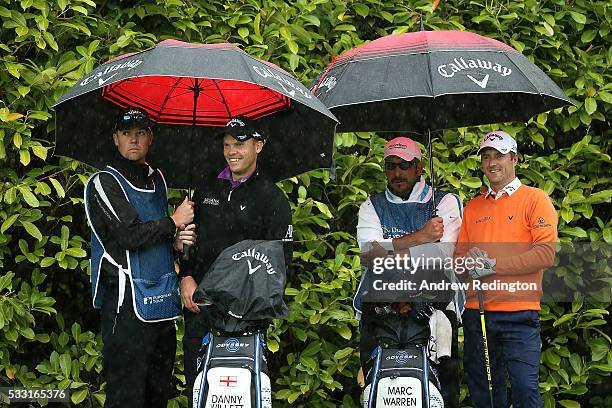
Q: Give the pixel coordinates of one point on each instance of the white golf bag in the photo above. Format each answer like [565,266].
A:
[402,378]
[232,373]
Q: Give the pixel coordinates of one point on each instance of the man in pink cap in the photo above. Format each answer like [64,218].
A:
[400,220]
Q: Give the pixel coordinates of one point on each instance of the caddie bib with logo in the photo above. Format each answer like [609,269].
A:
[150,270]
[399,219]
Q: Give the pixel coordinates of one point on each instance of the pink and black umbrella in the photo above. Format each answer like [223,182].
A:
[191,91]
[432,80]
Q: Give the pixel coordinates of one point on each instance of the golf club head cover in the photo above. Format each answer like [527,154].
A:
[422,311]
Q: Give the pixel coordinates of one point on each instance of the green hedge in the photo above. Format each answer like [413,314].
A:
[50,334]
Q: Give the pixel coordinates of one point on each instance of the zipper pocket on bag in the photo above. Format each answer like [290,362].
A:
[414,370]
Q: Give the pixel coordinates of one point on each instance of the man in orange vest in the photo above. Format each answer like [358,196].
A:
[509,233]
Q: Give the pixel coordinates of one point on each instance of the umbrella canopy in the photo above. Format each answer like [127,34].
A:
[432,80]
[201,86]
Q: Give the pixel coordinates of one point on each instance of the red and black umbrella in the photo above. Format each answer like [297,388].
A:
[190,91]
[433,80]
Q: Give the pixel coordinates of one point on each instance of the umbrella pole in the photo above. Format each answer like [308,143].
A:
[196,94]
[431,174]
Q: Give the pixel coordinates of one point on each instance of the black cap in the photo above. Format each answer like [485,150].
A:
[242,128]
[129,117]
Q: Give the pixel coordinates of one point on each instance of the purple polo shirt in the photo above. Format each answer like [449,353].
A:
[226,174]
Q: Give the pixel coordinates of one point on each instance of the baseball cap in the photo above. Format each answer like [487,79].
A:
[242,128]
[498,140]
[129,117]
[402,147]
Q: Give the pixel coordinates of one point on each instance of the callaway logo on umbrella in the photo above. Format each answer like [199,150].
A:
[431,80]
[190,91]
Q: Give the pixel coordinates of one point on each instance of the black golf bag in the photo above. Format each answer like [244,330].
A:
[397,371]
[240,294]
[232,372]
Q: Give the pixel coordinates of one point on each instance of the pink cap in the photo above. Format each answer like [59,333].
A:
[402,147]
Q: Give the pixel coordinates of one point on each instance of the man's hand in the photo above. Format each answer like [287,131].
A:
[433,230]
[487,269]
[484,266]
[377,251]
[183,215]
[186,236]
[188,286]
[476,253]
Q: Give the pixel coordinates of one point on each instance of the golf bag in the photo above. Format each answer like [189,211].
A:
[398,371]
[232,372]
[402,378]
[240,293]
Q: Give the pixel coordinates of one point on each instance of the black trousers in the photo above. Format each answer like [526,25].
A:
[448,369]
[138,356]
[191,348]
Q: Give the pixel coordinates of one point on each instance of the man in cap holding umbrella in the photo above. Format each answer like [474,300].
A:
[511,230]
[397,221]
[133,277]
[240,203]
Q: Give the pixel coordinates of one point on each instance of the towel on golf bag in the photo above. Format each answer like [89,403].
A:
[398,375]
[246,282]
[441,338]
[232,372]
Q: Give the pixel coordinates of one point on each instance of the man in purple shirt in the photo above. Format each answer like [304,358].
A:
[240,203]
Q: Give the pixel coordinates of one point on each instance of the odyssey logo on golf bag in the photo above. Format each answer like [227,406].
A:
[402,378]
[232,345]
[232,373]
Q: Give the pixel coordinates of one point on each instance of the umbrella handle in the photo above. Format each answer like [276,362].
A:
[186,251]
[187,248]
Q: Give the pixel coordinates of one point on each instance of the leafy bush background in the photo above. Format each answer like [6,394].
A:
[50,334]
